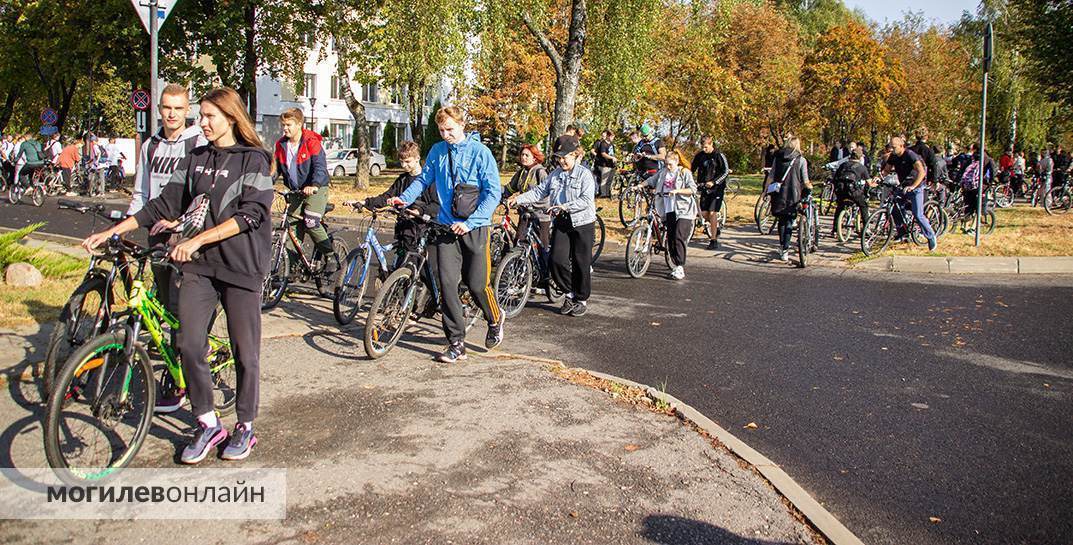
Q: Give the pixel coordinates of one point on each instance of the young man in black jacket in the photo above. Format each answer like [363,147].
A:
[426,206]
[710,170]
[850,179]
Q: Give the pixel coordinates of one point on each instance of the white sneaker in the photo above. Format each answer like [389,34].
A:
[784,256]
[678,273]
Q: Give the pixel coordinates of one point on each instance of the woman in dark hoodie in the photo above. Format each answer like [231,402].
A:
[226,193]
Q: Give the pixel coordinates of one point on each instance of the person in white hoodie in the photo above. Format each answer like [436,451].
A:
[674,188]
[156,161]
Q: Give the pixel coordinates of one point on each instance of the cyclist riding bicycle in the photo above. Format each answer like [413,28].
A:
[29,157]
[850,180]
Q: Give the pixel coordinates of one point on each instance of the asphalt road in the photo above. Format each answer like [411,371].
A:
[917,409]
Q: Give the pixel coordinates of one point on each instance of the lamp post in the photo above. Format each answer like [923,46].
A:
[313,112]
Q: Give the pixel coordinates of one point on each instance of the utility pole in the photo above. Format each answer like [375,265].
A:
[153,48]
[988,55]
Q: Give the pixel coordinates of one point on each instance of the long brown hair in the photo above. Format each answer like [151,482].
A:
[228,101]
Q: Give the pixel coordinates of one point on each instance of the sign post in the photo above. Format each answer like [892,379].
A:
[153,13]
[140,99]
[989,46]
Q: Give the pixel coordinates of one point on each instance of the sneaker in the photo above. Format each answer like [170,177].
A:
[204,441]
[713,244]
[455,352]
[494,336]
[171,403]
[784,255]
[241,443]
[678,273]
[931,244]
[579,309]
[568,306]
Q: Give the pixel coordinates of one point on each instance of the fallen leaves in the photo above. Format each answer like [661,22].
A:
[935,520]
[751,426]
[632,448]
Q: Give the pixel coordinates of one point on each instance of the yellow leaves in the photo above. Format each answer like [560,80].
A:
[750,426]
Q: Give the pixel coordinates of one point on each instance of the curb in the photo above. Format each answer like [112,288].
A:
[47,237]
[817,515]
[969,265]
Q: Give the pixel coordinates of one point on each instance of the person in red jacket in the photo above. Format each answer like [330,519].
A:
[300,159]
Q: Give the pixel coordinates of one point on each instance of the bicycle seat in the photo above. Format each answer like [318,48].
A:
[329,208]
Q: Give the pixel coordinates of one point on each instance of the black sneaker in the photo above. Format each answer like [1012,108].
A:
[713,244]
[455,352]
[579,309]
[494,336]
[568,307]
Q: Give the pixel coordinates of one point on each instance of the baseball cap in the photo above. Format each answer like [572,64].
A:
[565,145]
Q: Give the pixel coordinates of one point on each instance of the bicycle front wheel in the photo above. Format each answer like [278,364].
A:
[100,410]
[513,282]
[350,291]
[628,207]
[389,313]
[877,232]
[639,250]
[37,195]
[844,223]
[804,241]
[1058,201]
[275,283]
[79,320]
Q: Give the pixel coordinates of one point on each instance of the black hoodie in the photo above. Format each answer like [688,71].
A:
[791,170]
[239,186]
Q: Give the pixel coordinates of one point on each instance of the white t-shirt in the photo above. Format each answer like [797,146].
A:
[112,154]
[292,160]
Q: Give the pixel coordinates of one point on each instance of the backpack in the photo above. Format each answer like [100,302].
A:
[969,177]
[48,154]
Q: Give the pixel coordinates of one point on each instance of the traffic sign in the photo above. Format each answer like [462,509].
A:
[48,130]
[140,99]
[163,9]
[140,124]
[49,116]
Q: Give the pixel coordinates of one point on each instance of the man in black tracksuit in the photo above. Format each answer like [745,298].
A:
[710,171]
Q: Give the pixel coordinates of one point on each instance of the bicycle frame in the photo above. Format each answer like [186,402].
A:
[380,250]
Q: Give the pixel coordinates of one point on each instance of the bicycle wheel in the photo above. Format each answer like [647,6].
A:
[13,194]
[275,283]
[513,282]
[1057,201]
[79,320]
[221,361]
[100,409]
[764,219]
[350,291]
[330,267]
[598,234]
[804,241]
[844,223]
[500,243]
[733,188]
[639,250]
[37,195]
[987,222]
[629,208]
[828,198]
[389,313]
[1004,196]
[877,232]
[470,309]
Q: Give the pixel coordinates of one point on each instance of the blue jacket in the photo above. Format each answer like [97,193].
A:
[474,165]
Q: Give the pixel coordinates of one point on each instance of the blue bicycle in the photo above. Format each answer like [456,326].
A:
[354,282]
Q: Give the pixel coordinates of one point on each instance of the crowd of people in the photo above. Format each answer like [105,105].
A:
[206,192]
[22,155]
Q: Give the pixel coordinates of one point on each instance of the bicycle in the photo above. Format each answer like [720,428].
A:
[108,388]
[880,227]
[1001,193]
[354,281]
[521,269]
[633,202]
[733,188]
[318,268]
[827,197]
[762,217]
[410,286]
[504,236]
[88,311]
[648,237]
[34,188]
[808,231]
[1058,200]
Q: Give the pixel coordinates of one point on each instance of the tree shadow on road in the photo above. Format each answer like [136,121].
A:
[671,530]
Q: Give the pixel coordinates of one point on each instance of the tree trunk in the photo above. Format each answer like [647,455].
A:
[64,107]
[567,66]
[249,60]
[9,108]
[361,128]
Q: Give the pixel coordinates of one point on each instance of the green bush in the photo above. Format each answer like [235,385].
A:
[432,132]
[52,265]
[388,147]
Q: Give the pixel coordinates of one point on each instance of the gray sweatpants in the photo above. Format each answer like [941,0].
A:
[466,258]
[243,308]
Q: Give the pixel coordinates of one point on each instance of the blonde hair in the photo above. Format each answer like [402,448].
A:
[681,158]
[293,114]
[175,90]
[453,112]
[228,101]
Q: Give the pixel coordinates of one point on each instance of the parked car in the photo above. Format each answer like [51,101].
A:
[344,162]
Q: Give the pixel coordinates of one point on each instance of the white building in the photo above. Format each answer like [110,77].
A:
[322,102]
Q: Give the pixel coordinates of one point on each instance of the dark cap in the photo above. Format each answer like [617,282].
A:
[565,145]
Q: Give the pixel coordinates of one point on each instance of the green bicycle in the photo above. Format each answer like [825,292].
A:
[102,401]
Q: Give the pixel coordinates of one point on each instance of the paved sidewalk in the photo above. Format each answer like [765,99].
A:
[500,449]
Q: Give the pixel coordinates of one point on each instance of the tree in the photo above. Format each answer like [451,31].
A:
[1044,35]
[848,80]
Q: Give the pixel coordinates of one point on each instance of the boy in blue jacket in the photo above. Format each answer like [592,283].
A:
[466,178]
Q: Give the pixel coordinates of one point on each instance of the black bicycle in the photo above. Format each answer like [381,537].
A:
[316,266]
[91,308]
[521,269]
[894,217]
[410,292]
[808,230]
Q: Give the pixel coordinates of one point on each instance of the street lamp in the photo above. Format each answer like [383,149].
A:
[313,112]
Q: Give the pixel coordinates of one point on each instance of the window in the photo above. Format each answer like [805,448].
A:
[375,135]
[370,93]
[337,91]
[309,88]
[394,96]
[340,131]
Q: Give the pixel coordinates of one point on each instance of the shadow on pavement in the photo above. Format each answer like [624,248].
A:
[670,530]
